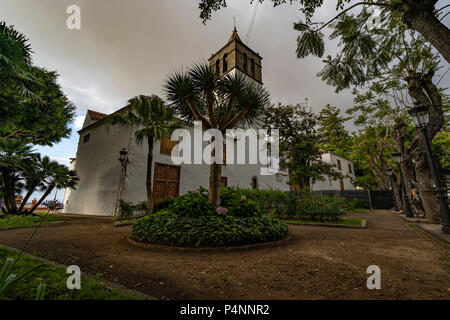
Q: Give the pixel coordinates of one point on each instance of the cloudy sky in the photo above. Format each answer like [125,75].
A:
[128,47]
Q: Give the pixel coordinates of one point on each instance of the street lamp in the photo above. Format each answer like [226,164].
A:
[421,118]
[398,158]
[390,173]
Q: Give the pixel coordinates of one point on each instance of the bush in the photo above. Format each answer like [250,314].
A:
[168,228]
[238,204]
[190,220]
[126,210]
[355,203]
[192,204]
[162,204]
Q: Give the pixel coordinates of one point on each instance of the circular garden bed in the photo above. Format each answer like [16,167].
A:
[191,221]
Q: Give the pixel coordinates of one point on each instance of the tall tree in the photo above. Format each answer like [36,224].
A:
[218,103]
[15,60]
[299,143]
[44,122]
[396,63]
[153,121]
[333,135]
[420,15]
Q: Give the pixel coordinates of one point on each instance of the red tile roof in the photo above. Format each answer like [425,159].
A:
[94,115]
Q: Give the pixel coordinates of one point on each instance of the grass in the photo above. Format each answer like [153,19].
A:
[26,221]
[341,222]
[55,279]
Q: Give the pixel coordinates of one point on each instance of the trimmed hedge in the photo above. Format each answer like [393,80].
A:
[190,220]
[168,228]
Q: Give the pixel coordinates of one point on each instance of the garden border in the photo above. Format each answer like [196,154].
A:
[34,226]
[254,246]
[363,225]
[108,284]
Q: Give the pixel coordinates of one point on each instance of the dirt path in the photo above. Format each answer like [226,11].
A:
[317,263]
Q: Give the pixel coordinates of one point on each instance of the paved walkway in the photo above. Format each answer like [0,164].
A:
[318,262]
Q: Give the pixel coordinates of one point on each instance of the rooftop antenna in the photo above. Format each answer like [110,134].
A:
[249,32]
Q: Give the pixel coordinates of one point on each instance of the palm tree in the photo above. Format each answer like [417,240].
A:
[15,62]
[15,158]
[153,121]
[219,103]
[57,176]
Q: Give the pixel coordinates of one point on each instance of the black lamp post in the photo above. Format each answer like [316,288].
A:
[398,158]
[421,119]
[390,173]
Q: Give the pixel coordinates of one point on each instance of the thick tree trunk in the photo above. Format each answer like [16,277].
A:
[419,15]
[44,196]
[422,89]
[148,181]
[425,185]
[10,193]
[214,183]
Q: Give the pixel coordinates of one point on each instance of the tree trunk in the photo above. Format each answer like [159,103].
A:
[215,174]
[148,181]
[425,185]
[421,88]
[10,193]
[419,15]
[398,198]
[27,196]
[45,195]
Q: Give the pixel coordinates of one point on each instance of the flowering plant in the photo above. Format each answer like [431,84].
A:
[222,211]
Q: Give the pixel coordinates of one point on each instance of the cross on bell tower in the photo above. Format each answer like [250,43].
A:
[236,56]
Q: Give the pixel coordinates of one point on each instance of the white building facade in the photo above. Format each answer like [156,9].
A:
[103,181]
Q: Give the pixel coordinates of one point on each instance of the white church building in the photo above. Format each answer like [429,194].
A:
[103,180]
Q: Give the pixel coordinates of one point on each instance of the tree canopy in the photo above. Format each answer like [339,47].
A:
[421,16]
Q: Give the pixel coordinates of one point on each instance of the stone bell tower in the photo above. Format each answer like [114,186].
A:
[236,56]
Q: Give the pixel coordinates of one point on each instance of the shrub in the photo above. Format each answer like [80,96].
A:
[238,204]
[162,204]
[126,210]
[169,228]
[192,204]
[355,203]
[324,209]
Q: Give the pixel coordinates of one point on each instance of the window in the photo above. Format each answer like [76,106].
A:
[167,145]
[339,164]
[254,183]
[218,67]
[350,168]
[245,62]
[341,182]
[225,63]
[86,138]
[252,66]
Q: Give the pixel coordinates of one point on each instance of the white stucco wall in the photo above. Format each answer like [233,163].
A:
[99,171]
[329,184]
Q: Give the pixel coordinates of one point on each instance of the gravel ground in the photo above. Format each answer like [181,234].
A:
[317,263]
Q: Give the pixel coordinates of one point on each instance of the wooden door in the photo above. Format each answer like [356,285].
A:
[224,181]
[166,181]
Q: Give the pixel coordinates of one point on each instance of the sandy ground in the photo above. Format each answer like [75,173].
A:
[318,262]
